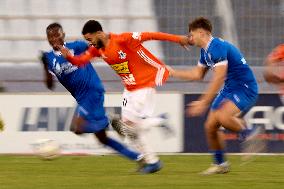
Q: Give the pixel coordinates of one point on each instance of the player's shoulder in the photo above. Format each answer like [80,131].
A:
[127,35]
[49,53]
[218,44]
[279,47]
[277,52]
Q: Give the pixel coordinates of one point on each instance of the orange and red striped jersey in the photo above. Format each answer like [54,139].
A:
[277,54]
[277,57]
[136,66]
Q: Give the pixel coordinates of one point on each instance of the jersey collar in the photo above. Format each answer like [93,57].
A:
[208,44]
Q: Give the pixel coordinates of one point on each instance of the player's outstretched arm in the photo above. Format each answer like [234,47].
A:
[146,36]
[80,60]
[194,74]
[48,76]
[182,40]
[219,76]
[198,107]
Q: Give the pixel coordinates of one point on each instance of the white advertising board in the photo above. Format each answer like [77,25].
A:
[29,117]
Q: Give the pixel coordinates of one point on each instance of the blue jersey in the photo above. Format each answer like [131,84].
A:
[77,80]
[220,52]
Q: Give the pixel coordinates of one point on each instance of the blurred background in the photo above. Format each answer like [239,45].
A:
[31,112]
[255,26]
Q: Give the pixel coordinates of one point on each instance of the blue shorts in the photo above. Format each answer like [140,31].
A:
[244,98]
[92,110]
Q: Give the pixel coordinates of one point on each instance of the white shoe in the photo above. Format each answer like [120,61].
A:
[217,169]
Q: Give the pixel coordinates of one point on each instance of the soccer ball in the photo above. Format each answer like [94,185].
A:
[46,149]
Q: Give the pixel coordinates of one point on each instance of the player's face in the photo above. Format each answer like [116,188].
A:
[195,37]
[96,39]
[55,38]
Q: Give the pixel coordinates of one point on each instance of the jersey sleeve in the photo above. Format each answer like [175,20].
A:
[84,58]
[81,46]
[48,61]
[219,55]
[136,38]
[277,54]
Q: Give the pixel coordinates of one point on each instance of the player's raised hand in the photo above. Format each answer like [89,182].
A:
[64,51]
[185,41]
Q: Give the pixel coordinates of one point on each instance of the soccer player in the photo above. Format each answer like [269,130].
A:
[139,70]
[238,94]
[273,72]
[85,86]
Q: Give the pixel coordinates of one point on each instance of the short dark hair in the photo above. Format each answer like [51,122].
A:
[202,23]
[91,26]
[53,26]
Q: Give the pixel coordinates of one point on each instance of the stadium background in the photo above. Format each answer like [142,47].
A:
[255,26]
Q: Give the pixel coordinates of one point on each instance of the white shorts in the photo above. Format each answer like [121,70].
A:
[138,104]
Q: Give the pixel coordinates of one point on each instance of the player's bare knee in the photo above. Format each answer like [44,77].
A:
[76,129]
[222,117]
[210,130]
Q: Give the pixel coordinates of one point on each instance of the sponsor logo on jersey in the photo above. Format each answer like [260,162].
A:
[121,68]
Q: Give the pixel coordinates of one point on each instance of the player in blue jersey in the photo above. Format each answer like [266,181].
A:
[231,93]
[85,86]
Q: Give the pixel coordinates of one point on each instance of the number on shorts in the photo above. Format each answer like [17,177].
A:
[124,102]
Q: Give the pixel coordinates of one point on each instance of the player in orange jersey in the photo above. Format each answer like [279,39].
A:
[273,72]
[140,71]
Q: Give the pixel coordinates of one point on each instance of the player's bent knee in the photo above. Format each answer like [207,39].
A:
[211,129]
[76,129]
[222,117]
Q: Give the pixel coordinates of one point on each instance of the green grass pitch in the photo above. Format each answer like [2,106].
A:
[114,172]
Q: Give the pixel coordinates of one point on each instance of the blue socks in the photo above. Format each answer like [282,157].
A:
[218,157]
[123,150]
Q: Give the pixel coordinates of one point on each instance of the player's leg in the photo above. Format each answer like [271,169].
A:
[90,117]
[234,104]
[117,146]
[215,142]
[138,106]
[78,122]
[228,116]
